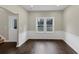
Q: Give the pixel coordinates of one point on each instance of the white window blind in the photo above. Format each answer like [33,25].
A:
[45,24]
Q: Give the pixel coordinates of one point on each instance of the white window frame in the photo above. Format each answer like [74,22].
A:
[45,31]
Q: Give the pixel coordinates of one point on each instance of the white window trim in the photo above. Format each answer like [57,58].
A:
[53,28]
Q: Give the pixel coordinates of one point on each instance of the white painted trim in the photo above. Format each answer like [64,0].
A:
[22,39]
[18,45]
[9,41]
[12,32]
[45,35]
[45,19]
[72,40]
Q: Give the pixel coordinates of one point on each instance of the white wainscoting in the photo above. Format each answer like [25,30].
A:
[22,39]
[72,40]
[45,35]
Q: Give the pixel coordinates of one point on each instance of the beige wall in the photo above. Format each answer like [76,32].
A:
[4,29]
[58,19]
[71,19]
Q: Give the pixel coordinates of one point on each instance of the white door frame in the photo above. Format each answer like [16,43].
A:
[11,38]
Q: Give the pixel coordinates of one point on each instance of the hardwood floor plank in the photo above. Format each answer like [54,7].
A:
[37,47]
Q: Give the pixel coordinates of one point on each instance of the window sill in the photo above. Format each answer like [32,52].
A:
[45,32]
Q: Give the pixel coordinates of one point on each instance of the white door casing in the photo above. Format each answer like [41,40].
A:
[12,31]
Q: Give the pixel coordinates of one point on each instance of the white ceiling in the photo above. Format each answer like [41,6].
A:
[44,7]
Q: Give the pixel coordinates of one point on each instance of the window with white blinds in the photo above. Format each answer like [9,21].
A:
[45,23]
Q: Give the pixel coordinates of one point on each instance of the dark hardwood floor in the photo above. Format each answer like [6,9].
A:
[37,47]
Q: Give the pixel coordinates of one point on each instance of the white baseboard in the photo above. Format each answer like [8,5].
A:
[35,35]
[10,41]
[72,40]
[18,45]
[46,35]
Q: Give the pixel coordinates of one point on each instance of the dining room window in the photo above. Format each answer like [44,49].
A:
[45,24]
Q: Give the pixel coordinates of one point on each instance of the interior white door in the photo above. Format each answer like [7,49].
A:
[13,28]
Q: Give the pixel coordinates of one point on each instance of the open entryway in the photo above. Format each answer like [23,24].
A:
[8,26]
